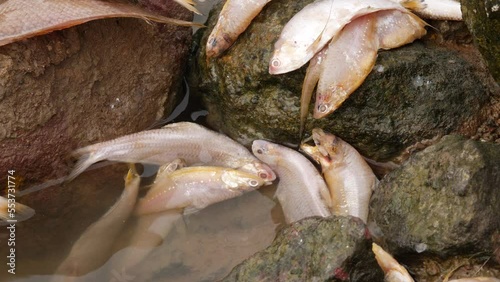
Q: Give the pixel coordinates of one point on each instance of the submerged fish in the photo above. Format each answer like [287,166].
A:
[234,18]
[21,19]
[94,246]
[314,26]
[14,211]
[394,272]
[189,141]
[194,188]
[302,192]
[351,55]
[350,179]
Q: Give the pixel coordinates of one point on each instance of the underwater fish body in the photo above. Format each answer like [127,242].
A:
[302,192]
[194,188]
[189,141]
[349,178]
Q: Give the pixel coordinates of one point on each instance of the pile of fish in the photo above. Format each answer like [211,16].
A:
[340,38]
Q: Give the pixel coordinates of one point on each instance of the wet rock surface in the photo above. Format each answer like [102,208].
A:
[444,200]
[82,85]
[483,20]
[314,249]
[413,93]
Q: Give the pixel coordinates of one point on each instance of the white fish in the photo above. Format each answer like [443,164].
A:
[41,17]
[314,26]
[189,141]
[394,272]
[18,211]
[302,192]
[194,188]
[350,179]
[352,54]
[234,18]
[94,246]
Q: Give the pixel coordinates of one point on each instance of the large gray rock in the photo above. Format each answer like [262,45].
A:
[444,200]
[314,249]
[415,92]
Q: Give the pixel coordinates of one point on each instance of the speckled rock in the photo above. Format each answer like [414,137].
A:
[444,200]
[82,85]
[415,92]
[483,20]
[314,249]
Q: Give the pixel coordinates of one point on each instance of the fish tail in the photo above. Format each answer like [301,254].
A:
[188,4]
[86,160]
[18,212]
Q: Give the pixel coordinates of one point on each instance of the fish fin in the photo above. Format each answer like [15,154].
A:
[315,44]
[188,4]
[81,165]
[131,174]
[190,210]
[22,212]
[310,81]
[414,5]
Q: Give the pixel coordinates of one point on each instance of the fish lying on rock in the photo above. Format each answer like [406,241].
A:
[350,179]
[21,19]
[193,188]
[94,246]
[192,142]
[302,192]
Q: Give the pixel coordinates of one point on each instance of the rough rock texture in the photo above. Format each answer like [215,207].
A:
[483,20]
[314,249]
[82,85]
[415,92]
[444,200]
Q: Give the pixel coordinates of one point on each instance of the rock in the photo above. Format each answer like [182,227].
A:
[415,92]
[483,20]
[82,85]
[443,201]
[314,249]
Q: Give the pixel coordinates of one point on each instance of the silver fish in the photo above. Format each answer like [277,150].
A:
[302,192]
[189,141]
[94,246]
[350,179]
[193,188]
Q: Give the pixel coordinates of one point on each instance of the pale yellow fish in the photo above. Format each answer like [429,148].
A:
[352,54]
[12,211]
[394,272]
[21,19]
[94,246]
[302,192]
[193,188]
[186,140]
[349,178]
[314,26]
[235,17]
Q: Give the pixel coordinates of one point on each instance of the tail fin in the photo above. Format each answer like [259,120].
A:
[83,163]
[414,5]
[188,4]
[20,212]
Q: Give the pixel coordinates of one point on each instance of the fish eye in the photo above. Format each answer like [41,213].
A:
[259,151]
[253,183]
[322,108]
[263,175]
[275,63]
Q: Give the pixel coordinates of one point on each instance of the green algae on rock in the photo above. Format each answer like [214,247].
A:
[314,249]
[443,200]
[415,92]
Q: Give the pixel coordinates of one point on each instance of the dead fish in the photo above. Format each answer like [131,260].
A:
[234,18]
[315,25]
[93,248]
[394,272]
[193,188]
[352,54]
[439,10]
[350,179]
[21,19]
[12,211]
[189,141]
[302,192]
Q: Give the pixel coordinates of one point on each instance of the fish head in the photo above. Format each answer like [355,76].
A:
[266,152]
[285,59]
[328,145]
[312,151]
[241,180]
[328,101]
[260,169]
